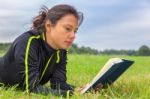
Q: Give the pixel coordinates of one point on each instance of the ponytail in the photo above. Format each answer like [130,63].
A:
[38,21]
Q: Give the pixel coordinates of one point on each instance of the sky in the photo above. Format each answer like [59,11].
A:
[108,24]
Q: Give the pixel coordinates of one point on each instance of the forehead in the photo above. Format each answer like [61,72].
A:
[69,19]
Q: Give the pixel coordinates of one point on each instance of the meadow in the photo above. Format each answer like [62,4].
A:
[133,84]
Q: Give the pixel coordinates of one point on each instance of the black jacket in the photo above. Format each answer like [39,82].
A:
[31,62]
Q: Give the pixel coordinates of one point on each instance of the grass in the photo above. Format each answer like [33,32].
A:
[133,84]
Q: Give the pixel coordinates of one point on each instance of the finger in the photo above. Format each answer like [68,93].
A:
[98,87]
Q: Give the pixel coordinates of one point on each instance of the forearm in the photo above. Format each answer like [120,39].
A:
[46,91]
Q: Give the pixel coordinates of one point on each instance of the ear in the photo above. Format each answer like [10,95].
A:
[48,25]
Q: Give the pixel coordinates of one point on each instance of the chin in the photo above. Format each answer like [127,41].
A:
[65,47]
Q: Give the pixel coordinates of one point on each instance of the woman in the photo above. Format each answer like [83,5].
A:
[39,55]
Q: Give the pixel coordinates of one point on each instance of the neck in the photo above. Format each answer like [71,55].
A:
[50,41]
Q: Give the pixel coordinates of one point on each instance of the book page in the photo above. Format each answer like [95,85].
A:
[106,67]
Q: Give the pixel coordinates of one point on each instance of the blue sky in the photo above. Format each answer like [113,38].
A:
[117,24]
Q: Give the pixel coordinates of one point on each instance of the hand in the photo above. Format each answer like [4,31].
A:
[98,87]
[81,88]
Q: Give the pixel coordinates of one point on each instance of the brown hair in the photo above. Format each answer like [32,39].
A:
[54,14]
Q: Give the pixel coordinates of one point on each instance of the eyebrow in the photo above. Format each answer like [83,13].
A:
[72,26]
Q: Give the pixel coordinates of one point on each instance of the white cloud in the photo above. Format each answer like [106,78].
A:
[9,12]
[15,15]
[126,34]
[8,4]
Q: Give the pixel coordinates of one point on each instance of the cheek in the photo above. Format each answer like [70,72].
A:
[59,37]
[74,36]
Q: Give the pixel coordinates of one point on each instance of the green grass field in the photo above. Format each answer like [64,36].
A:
[133,84]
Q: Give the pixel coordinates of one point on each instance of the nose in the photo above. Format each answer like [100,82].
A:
[72,35]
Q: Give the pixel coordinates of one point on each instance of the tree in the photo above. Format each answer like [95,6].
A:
[4,46]
[144,50]
[82,50]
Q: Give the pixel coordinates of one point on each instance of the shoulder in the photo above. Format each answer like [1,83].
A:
[24,42]
[28,37]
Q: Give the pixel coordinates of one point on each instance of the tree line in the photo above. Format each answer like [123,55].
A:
[144,50]
[4,46]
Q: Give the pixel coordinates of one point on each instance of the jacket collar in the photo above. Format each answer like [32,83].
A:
[49,49]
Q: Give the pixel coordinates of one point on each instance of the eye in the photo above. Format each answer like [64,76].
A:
[75,31]
[68,29]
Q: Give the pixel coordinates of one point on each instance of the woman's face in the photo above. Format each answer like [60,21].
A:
[62,35]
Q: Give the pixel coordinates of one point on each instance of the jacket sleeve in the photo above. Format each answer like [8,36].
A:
[26,55]
[58,80]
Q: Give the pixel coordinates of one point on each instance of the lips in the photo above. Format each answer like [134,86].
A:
[68,42]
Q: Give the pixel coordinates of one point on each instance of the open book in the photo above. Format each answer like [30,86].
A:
[109,73]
